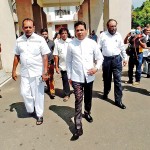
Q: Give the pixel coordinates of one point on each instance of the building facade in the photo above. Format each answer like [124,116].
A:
[94,12]
[58,17]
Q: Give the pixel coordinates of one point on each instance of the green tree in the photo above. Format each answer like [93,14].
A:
[141,15]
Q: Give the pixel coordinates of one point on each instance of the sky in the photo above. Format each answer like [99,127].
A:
[137,3]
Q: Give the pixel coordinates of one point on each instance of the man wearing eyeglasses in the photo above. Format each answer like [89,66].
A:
[31,51]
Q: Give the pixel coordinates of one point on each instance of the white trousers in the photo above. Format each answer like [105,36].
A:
[32,91]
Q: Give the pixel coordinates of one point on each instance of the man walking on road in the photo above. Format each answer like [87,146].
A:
[50,81]
[31,50]
[113,51]
[81,55]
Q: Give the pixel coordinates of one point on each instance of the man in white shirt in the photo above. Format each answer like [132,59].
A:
[31,50]
[81,55]
[59,53]
[113,51]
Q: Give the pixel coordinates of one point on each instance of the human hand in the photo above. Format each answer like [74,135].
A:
[70,81]
[45,76]
[124,63]
[14,75]
[57,70]
[92,71]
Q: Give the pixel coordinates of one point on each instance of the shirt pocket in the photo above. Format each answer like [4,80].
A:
[35,49]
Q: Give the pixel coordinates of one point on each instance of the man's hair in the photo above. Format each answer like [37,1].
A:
[44,30]
[110,21]
[80,23]
[27,19]
[63,29]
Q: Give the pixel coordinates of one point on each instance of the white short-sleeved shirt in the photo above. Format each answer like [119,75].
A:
[81,56]
[112,44]
[30,51]
[60,50]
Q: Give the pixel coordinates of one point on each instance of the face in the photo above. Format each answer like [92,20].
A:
[139,28]
[148,31]
[80,32]
[112,27]
[45,35]
[28,28]
[64,35]
[58,36]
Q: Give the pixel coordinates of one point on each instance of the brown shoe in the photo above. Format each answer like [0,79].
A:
[39,120]
[66,98]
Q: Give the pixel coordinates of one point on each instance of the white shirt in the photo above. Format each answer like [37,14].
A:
[112,44]
[30,51]
[60,50]
[80,58]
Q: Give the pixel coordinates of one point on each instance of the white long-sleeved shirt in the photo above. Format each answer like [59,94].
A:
[60,50]
[30,51]
[80,58]
[112,44]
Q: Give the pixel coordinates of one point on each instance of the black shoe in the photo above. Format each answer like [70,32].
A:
[52,96]
[77,133]
[105,97]
[88,117]
[129,82]
[148,76]
[0,96]
[121,105]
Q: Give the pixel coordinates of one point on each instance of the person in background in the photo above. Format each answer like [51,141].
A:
[83,60]
[59,53]
[137,42]
[56,37]
[113,50]
[146,51]
[31,50]
[50,81]
[93,36]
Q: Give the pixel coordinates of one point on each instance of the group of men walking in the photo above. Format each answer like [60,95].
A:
[76,59]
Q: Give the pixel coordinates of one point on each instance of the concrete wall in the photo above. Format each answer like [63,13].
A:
[24,10]
[96,7]
[83,13]
[121,11]
[102,10]
[7,35]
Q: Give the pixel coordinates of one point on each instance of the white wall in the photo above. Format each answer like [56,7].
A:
[7,35]
[121,11]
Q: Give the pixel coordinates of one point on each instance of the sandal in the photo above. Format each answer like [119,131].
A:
[39,120]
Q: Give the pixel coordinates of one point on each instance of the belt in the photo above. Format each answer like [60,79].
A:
[111,57]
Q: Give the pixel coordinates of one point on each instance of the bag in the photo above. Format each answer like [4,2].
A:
[128,50]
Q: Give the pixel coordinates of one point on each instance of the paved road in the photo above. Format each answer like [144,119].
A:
[112,129]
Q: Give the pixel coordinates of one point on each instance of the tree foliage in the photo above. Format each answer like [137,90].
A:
[141,15]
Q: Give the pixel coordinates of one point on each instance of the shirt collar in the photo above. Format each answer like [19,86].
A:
[110,34]
[32,36]
[80,40]
[66,41]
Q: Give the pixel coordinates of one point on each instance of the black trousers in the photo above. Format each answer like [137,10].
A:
[113,66]
[79,90]
[66,86]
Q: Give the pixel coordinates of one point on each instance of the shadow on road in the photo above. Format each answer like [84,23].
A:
[66,113]
[99,94]
[136,89]
[20,109]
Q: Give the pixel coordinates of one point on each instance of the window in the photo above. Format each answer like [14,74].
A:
[64,11]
